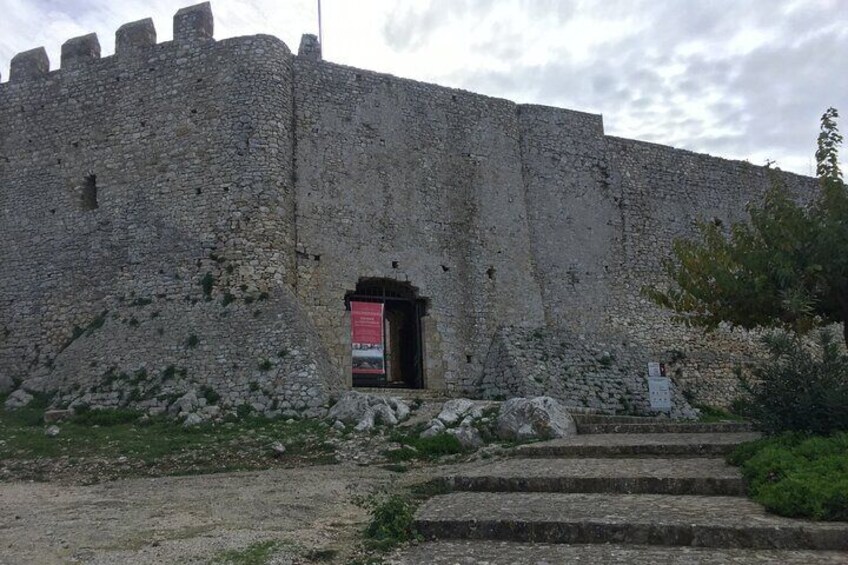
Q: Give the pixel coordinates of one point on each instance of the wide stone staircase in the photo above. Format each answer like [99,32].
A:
[626,490]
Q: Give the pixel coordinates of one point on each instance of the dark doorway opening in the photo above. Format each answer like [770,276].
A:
[403,350]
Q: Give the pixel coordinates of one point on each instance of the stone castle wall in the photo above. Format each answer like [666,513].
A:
[242,191]
[189,145]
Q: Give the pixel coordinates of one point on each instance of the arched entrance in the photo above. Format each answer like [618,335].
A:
[401,364]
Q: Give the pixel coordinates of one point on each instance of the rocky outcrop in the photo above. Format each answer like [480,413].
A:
[534,418]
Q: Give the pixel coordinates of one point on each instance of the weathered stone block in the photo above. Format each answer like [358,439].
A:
[309,48]
[80,51]
[134,37]
[29,65]
[194,24]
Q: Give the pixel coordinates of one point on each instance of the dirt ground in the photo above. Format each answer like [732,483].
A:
[190,519]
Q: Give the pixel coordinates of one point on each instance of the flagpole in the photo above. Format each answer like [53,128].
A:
[320,34]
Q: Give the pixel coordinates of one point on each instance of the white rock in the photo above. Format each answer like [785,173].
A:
[366,423]
[359,409]
[192,420]
[436,428]
[184,404]
[385,414]
[52,431]
[18,399]
[350,408]
[278,448]
[468,436]
[339,425]
[541,417]
[455,409]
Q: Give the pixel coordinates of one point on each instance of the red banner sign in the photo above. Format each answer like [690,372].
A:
[366,337]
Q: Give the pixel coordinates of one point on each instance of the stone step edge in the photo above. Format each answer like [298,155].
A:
[596,532]
[694,450]
[702,486]
[662,427]
[502,552]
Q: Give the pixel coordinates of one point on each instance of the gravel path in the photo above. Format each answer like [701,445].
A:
[186,519]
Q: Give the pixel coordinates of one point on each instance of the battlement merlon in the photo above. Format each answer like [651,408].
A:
[194,25]
[29,65]
[135,37]
[309,48]
[80,51]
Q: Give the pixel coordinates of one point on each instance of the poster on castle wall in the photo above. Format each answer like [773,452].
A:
[659,388]
[366,338]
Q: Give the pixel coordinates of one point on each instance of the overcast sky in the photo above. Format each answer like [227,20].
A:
[734,78]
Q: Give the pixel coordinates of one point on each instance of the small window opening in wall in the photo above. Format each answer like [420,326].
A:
[394,264]
[445,268]
[89,193]
[469,359]
[490,272]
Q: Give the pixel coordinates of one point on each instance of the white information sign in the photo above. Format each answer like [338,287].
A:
[655,370]
[659,388]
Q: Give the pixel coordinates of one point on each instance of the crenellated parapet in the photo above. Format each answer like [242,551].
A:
[193,27]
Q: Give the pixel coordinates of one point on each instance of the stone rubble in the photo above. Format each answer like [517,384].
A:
[364,411]
[18,399]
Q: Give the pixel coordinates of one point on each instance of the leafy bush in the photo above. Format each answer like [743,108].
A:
[798,476]
[391,521]
[801,388]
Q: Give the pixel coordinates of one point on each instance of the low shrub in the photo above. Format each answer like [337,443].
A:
[803,387]
[103,418]
[430,448]
[391,521]
[798,476]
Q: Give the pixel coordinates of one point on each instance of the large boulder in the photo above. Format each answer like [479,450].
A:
[18,399]
[541,417]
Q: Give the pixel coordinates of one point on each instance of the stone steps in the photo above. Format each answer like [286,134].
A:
[642,519]
[509,553]
[637,445]
[662,427]
[655,476]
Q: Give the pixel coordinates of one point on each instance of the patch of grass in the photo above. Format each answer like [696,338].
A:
[428,448]
[156,446]
[710,414]
[192,341]
[317,555]
[796,475]
[396,468]
[265,365]
[141,302]
[227,299]
[258,553]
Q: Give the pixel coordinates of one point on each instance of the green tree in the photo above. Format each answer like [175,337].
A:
[787,267]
